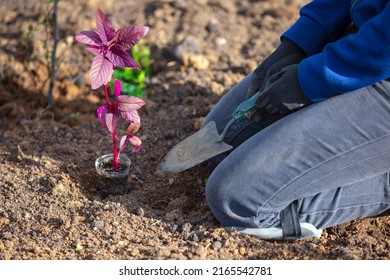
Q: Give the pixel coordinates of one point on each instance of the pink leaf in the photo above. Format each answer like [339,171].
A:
[111,120]
[94,49]
[134,140]
[129,103]
[121,58]
[117,88]
[134,127]
[105,29]
[131,116]
[90,38]
[127,37]
[137,143]
[137,149]
[101,113]
[100,72]
[123,143]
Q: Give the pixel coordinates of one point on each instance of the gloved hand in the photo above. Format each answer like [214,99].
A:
[282,94]
[286,54]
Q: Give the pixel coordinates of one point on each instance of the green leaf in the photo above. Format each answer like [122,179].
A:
[73,116]
[133,80]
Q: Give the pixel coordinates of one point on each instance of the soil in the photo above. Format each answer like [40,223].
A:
[49,202]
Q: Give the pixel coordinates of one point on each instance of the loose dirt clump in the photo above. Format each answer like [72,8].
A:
[49,202]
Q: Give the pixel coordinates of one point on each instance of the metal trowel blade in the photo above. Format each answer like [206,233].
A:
[197,148]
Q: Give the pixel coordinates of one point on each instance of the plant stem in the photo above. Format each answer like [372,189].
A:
[53,55]
[115,162]
[106,93]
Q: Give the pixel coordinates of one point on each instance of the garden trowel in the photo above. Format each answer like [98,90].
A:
[205,143]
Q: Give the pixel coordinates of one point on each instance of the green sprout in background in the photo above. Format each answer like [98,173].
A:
[134,80]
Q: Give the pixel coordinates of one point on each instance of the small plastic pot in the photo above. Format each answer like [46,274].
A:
[113,182]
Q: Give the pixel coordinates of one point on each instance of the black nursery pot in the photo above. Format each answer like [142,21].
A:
[113,182]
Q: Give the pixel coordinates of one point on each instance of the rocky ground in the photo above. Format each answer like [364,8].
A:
[49,206]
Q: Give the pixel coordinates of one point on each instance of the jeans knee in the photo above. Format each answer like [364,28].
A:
[221,199]
[229,205]
[215,198]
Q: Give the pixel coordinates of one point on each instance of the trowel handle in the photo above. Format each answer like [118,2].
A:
[243,111]
[246,109]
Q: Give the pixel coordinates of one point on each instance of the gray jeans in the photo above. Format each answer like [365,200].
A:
[332,158]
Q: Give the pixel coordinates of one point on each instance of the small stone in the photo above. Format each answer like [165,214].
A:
[216,245]
[376,234]
[173,228]
[98,224]
[52,181]
[343,251]
[79,247]
[37,250]
[3,221]
[217,88]
[241,251]
[163,252]
[58,189]
[198,123]
[221,256]
[57,245]
[213,25]
[195,237]
[155,81]
[180,4]
[201,251]
[174,256]
[151,242]
[199,62]
[228,6]
[220,41]
[7,235]
[171,181]
[134,252]
[9,16]
[171,216]
[186,227]
[140,211]
[186,47]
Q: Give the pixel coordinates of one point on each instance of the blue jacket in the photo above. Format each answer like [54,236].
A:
[335,66]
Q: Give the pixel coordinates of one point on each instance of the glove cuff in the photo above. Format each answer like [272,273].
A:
[289,47]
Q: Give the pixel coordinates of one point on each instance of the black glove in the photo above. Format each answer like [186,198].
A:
[286,54]
[282,94]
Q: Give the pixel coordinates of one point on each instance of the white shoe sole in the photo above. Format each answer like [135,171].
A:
[308,231]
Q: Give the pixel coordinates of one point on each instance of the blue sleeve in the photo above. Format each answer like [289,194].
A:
[320,22]
[353,62]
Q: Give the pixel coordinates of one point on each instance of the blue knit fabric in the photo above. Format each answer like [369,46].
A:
[337,64]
